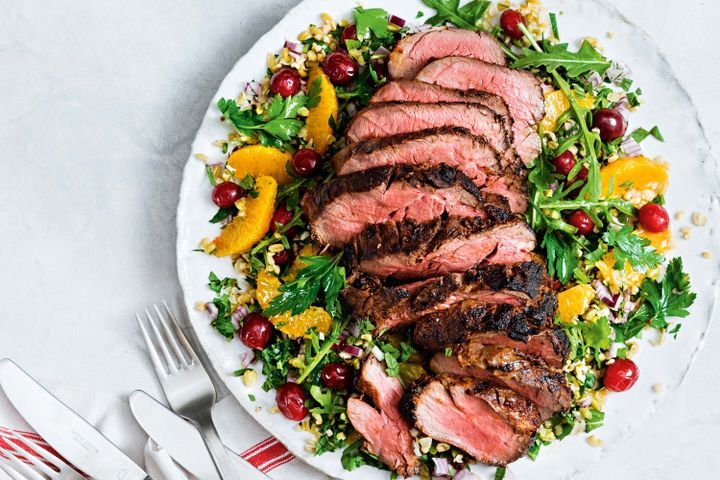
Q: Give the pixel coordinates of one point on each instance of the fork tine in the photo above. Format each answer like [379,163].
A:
[172,365]
[30,453]
[20,463]
[181,336]
[44,452]
[172,335]
[18,469]
[160,368]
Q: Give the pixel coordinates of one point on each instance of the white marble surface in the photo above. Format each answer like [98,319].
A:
[99,102]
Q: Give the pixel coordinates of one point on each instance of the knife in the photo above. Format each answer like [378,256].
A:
[74,438]
[182,441]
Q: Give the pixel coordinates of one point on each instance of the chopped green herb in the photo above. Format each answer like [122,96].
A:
[251,397]
[595,421]
[632,248]
[554,26]
[450,11]
[373,20]
[211,177]
[277,125]
[240,372]
[641,134]
[221,215]
[499,473]
[320,274]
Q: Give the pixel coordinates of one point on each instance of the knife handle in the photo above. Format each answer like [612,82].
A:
[216,448]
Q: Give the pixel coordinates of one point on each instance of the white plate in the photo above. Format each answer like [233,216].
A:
[693,187]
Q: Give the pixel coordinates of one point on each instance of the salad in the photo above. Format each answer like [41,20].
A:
[596,205]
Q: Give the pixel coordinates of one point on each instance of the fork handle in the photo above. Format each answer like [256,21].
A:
[216,448]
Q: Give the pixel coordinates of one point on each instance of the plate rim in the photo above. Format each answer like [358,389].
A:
[614,11]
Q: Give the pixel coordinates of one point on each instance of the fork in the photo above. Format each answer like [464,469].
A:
[47,464]
[186,384]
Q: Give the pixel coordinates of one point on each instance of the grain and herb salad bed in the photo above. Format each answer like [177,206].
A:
[588,190]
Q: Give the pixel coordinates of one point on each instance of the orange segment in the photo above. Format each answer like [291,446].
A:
[661,241]
[618,279]
[309,250]
[259,160]
[318,120]
[556,103]
[298,325]
[641,172]
[574,301]
[268,287]
[244,232]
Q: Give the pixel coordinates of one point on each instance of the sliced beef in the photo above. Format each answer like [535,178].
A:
[413,52]
[519,88]
[409,250]
[386,432]
[456,147]
[393,118]
[422,92]
[530,377]
[471,325]
[493,424]
[342,208]
[391,306]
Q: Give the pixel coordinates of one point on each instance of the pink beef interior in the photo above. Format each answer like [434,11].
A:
[414,51]
[504,244]
[383,120]
[457,151]
[383,435]
[467,422]
[350,213]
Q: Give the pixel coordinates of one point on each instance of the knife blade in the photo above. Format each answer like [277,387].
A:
[182,441]
[74,438]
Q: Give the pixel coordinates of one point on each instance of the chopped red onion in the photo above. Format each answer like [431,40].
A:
[381,52]
[603,293]
[238,315]
[617,72]
[400,22]
[291,378]
[464,474]
[420,28]
[352,350]
[595,79]
[354,329]
[212,310]
[631,147]
[293,47]
[441,468]
[227,220]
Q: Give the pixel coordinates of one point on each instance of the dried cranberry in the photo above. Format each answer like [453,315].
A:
[283,257]
[510,21]
[564,162]
[654,218]
[610,122]
[336,375]
[621,375]
[256,331]
[348,33]
[290,399]
[225,194]
[582,221]
[340,68]
[285,81]
[306,162]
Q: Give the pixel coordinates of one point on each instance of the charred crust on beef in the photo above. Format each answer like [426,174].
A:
[418,238]
[436,177]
